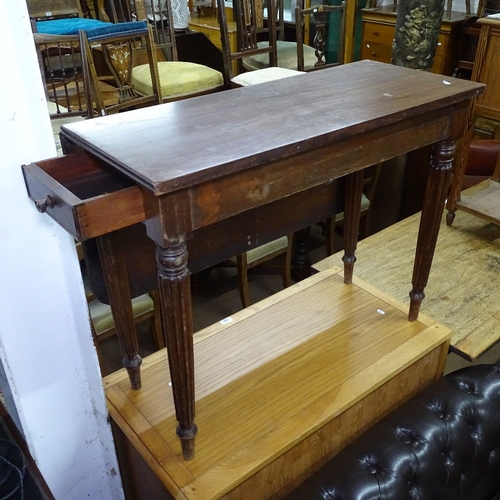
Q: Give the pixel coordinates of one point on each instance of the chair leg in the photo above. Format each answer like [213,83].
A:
[330,236]
[156,329]
[287,263]
[242,265]
[97,346]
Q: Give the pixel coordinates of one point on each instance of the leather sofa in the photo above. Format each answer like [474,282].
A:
[444,444]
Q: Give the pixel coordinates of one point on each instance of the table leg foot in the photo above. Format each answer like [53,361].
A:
[450,217]
[416,299]
[133,367]
[348,268]
[187,435]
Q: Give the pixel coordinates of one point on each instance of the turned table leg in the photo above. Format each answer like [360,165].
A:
[117,285]
[352,212]
[175,294]
[432,211]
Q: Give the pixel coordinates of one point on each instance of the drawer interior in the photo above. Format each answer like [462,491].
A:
[85,176]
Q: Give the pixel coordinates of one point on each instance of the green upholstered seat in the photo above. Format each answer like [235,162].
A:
[177,79]
[102,318]
[287,57]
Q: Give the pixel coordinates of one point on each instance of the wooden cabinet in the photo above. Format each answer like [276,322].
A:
[378,32]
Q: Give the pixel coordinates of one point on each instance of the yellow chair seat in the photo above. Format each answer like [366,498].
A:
[287,57]
[177,79]
[102,319]
[365,205]
[263,251]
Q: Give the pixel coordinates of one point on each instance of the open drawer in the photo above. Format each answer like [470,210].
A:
[83,194]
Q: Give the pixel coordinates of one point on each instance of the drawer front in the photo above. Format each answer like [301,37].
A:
[84,195]
[378,33]
[376,52]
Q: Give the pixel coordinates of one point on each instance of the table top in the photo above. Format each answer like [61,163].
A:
[461,292]
[180,144]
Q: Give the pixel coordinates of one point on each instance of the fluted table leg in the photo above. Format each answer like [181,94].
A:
[175,293]
[432,211]
[115,274]
[352,212]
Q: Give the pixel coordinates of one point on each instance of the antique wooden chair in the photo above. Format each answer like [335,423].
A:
[250,28]
[59,58]
[261,45]
[279,248]
[166,80]
[119,49]
[179,79]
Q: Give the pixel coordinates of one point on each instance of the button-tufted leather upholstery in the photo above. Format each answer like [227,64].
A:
[442,444]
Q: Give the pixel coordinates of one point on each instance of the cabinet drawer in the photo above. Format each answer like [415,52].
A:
[84,195]
[376,52]
[378,33]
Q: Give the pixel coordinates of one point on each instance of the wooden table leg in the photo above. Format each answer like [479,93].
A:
[352,212]
[175,295]
[432,210]
[116,279]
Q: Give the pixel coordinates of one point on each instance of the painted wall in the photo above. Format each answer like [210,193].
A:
[49,370]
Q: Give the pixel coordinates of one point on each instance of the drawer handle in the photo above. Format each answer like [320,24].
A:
[376,33]
[42,205]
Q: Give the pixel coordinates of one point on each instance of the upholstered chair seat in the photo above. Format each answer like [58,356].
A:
[264,75]
[102,318]
[177,79]
[287,57]
[280,247]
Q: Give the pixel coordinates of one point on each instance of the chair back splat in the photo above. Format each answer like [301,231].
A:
[119,48]
[258,43]
[318,21]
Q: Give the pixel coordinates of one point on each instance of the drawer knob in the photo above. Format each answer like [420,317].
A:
[42,205]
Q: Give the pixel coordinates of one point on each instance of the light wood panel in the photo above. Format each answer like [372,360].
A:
[276,385]
[461,292]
